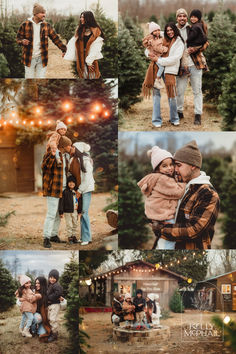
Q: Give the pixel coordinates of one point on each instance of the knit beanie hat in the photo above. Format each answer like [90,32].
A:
[54,273]
[37,9]
[153,26]
[139,291]
[24,279]
[158,155]
[64,141]
[60,125]
[196,13]
[151,296]
[189,154]
[82,147]
[127,296]
[181,11]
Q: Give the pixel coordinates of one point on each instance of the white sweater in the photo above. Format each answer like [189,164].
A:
[87,180]
[171,63]
[94,52]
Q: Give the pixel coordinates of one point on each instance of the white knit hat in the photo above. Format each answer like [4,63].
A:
[82,147]
[60,125]
[24,279]
[127,296]
[158,155]
[153,26]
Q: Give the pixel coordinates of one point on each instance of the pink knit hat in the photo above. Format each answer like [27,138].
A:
[158,155]
[24,279]
[127,296]
[153,26]
[60,125]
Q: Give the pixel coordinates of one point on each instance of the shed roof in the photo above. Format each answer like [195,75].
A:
[217,276]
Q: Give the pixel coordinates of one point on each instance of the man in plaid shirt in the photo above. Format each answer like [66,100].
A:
[197,210]
[33,36]
[195,65]
[54,182]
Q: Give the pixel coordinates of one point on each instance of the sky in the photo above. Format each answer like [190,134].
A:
[41,260]
[218,139]
[66,7]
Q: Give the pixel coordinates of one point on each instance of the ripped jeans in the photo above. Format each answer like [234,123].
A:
[37,324]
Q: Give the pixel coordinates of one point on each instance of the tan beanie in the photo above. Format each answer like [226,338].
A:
[38,9]
[64,141]
[189,154]
[181,11]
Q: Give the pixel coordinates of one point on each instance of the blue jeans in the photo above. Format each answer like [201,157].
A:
[156,113]
[37,321]
[85,223]
[52,221]
[160,70]
[28,317]
[196,84]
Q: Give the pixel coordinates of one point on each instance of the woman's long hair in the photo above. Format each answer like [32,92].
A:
[204,26]
[43,291]
[80,156]
[173,26]
[89,21]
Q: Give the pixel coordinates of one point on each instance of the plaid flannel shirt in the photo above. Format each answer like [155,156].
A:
[26,32]
[52,176]
[194,227]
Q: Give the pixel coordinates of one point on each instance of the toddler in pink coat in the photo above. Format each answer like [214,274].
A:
[53,140]
[162,191]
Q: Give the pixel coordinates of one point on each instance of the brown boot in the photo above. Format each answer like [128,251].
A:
[52,337]
[197,119]
[70,240]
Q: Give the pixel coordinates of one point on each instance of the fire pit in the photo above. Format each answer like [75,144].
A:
[145,336]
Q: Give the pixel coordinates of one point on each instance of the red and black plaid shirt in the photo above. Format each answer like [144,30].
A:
[194,227]
[26,32]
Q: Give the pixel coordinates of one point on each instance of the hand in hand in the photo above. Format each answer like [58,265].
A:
[25,41]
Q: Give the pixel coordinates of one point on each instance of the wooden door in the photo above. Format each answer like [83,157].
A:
[234,297]
[8,181]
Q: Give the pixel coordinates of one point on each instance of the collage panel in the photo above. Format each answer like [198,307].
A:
[188,204]
[39,301]
[58,40]
[51,130]
[157,301]
[176,78]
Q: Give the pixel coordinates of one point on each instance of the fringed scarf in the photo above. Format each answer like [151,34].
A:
[151,74]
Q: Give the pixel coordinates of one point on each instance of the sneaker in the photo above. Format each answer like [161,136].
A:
[197,119]
[157,125]
[52,337]
[55,239]
[70,240]
[26,333]
[47,243]
[158,84]
[84,243]
[175,124]
[75,239]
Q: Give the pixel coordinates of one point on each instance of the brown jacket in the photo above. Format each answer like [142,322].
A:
[81,53]
[128,309]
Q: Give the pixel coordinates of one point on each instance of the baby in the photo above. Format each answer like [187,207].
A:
[53,140]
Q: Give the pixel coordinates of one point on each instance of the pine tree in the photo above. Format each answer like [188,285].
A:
[219,55]
[187,263]
[4,68]
[229,217]
[71,269]
[7,289]
[176,303]
[131,68]
[133,232]
[228,331]
[227,102]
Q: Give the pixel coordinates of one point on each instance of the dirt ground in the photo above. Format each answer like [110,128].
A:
[98,326]
[24,230]
[11,341]
[57,68]
[139,117]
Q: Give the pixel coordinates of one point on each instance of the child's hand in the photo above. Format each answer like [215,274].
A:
[61,298]
[61,216]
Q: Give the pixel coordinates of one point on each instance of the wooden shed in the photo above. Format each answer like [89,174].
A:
[219,292]
[16,163]
[132,276]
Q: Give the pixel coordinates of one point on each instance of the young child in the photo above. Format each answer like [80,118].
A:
[70,207]
[128,309]
[162,191]
[53,140]
[152,310]
[139,303]
[28,305]
[197,37]
[155,45]
[54,295]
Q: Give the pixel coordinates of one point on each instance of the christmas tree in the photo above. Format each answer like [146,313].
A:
[71,270]
[133,232]
[227,102]
[228,328]
[219,55]
[176,303]
[131,68]
[7,289]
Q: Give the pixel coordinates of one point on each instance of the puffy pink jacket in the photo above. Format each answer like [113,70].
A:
[29,301]
[53,141]
[163,193]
